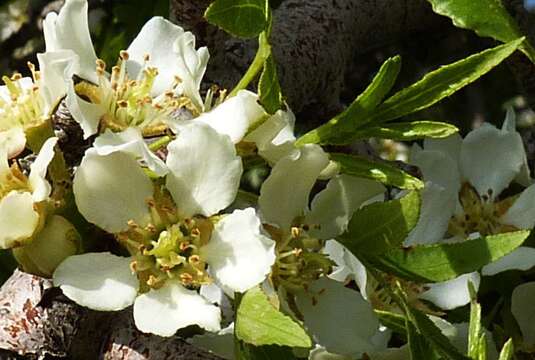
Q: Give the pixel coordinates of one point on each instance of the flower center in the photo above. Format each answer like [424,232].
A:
[480,214]
[169,247]
[128,102]
[25,106]
[299,258]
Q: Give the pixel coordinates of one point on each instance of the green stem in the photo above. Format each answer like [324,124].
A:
[163,141]
[263,52]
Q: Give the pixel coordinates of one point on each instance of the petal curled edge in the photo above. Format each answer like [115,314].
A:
[284,195]
[172,307]
[522,258]
[239,255]
[40,187]
[99,281]
[111,190]
[204,170]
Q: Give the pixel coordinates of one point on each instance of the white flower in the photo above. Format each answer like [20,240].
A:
[464,179]
[159,67]
[175,249]
[21,198]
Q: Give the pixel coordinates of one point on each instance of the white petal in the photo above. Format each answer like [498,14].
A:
[239,256]
[334,206]
[70,31]
[56,68]
[509,125]
[99,281]
[347,266]
[40,187]
[284,194]
[18,219]
[438,206]
[191,67]
[491,159]
[85,113]
[12,141]
[129,141]
[204,170]
[172,307]
[521,213]
[347,332]
[439,169]
[111,190]
[156,39]
[235,115]
[453,293]
[450,146]
[524,311]
[522,258]
[221,343]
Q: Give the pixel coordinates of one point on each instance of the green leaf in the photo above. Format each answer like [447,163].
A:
[408,131]
[241,18]
[340,129]
[441,262]
[475,334]
[268,352]
[508,350]
[269,90]
[382,172]
[420,347]
[485,17]
[259,323]
[381,226]
[393,321]
[442,82]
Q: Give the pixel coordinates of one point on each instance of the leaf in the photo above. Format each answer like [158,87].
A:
[441,262]
[419,346]
[442,82]
[408,131]
[259,323]
[393,321]
[381,226]
[241,18]
[507,350]
[486,17]
[268,352]
[382,172]
[475,334]
[340,129]
[269,90]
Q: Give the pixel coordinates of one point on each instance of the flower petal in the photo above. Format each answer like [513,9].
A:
[18,219]
[284,194]
[69,30]
[437,208]
[157,39]
[347,332]
[99,281]
[522,258]
[111,190]
[439,169]
[85,113]
[12,142]
[521,213]
[162,312]
[129,141]
[509,125]
[450,146]
[453,293]
[40,187]
[491,159]
[204,170]
[334,206]
[239,256]
[234,116]
[524,311]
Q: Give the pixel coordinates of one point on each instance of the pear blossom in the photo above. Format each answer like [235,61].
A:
[462,199]
[159,73]
[171,227]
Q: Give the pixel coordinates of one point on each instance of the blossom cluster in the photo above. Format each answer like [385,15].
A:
[171,234]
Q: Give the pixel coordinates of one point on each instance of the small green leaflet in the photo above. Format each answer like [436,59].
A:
[476,337]
[441,262]
[340,129]
[508,350]
[420,347]
[269,90]
[241,18]
[381,226]
[382,172]
[258,323]
[408,131]
[443,82]
[485,17]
